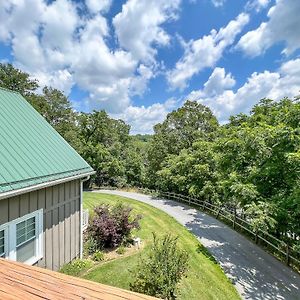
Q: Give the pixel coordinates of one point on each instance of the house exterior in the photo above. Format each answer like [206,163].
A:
[41,179]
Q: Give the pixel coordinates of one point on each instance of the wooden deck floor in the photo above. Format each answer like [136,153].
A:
[19,281]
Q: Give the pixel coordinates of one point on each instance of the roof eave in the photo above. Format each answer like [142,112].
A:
[39,186]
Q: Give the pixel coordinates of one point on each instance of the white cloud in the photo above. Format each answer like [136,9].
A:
[274,85]
[142,119]
[39,34]
[59,45]
[4,33]
[218,82]
[58,25]
[96,6]
[61,79]
[22,20]
[283,26]
[104,73]
[218,3]
[139,83]
[258,5]
[21,17]
[205,52]
[138,26]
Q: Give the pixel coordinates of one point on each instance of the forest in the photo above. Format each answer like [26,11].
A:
[251,163]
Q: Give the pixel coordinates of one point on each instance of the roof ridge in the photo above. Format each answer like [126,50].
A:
[10,91]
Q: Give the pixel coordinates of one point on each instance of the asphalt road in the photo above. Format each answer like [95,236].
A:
[255,273]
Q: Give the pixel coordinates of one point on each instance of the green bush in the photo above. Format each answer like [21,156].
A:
[121,250]
[76,267]
[98,256]
[296,247]
[89,246]
[160,272]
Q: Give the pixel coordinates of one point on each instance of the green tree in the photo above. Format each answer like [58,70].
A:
[159,273]
[251,162]
[105,143]
[57,110]
[192,172]
[181,128]
[261,215]
[16,80]
[134,164]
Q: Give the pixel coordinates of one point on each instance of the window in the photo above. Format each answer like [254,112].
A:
[26,236]
[2,248]
[3,240]
[23,238]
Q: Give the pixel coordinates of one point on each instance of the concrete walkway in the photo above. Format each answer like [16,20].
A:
[255,273]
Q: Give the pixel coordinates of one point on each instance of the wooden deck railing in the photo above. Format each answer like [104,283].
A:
[280,249]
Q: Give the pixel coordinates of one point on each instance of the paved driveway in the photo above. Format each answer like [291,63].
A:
[255,273]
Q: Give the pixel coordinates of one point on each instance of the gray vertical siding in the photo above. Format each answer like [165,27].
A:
[61,204]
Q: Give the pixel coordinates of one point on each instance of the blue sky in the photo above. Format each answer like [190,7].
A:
[140,59]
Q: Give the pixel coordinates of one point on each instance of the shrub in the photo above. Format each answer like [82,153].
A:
[111,226]
[76,267]
[90,246]
[121,250]
[159,273]
[98,256]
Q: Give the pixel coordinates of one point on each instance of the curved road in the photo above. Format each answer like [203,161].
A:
[255,273]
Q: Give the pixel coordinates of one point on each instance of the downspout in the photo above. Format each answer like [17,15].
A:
[81,212]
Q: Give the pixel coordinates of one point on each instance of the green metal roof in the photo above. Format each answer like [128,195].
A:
[31,151]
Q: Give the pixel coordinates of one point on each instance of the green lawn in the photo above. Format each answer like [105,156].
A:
[205,279]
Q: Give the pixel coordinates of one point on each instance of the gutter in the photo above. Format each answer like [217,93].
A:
[43,185]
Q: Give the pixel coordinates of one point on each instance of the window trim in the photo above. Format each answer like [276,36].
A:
[11,241]
[4,227]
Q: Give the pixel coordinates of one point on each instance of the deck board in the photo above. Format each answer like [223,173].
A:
[19,282]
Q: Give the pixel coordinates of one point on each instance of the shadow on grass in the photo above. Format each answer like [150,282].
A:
[206,253]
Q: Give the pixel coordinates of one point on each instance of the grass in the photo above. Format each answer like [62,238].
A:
[205,278]
[77,267]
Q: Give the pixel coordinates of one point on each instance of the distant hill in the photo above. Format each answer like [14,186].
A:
[143,137]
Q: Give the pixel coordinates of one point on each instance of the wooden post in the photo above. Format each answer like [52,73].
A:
[218,213]
[287,259]
[234,219]
[256,237]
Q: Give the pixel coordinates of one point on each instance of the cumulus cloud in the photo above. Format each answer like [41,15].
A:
[96,6]
[138,26]
[104,73]
[39,34]
[142,119]
[204,52]
[61,79]
[139,83]
[63,51]
[218,82]
[274,85]
[282,26]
